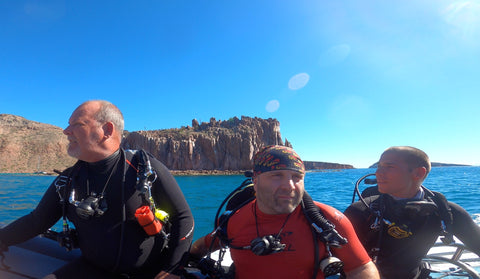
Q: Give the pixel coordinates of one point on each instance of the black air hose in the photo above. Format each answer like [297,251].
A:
[325,229]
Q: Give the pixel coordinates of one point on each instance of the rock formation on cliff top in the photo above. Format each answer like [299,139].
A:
[216,145]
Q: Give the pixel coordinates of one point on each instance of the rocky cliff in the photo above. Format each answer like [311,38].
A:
[216,145]
[309,165]
[27,146]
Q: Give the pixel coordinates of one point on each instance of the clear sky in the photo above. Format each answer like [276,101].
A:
[346,79]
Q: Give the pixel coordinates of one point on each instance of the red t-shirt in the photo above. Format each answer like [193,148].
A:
[297,260]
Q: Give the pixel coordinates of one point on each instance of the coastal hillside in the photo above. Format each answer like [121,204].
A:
[224,146]
[28,146]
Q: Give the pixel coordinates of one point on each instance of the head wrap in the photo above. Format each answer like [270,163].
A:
[277,157]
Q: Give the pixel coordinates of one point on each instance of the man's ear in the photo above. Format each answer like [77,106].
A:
[108,129]
[254,180]
[420,173]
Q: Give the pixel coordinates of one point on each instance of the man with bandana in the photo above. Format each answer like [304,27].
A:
[276,213]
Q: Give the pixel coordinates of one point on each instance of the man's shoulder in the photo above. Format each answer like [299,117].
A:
[361,208]
[324,206]
[456,208]
[245,209]
[330,212]
[242,214]
[134,155]
[366,200]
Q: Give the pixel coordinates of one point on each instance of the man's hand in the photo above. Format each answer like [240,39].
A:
[366,271]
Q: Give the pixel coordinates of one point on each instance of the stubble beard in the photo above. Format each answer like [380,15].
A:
[284,207]
[73,151]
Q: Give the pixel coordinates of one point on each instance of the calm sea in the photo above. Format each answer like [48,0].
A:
[19,194]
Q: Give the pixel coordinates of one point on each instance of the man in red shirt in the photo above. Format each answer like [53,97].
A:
[275,212]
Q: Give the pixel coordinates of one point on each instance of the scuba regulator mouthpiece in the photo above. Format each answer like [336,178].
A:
[266,245]
[91,206]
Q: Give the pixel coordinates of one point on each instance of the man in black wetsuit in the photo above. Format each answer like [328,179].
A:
[403,221]
[100,197]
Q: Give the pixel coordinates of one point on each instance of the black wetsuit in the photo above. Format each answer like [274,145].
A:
[111,246]
[408,239]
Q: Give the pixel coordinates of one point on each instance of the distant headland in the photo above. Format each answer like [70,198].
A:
[434,164]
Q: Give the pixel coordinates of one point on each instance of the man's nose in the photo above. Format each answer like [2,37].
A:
[66,131]
[379,170]
[289,182]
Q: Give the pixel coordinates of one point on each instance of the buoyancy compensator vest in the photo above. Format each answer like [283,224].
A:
[432,203]
[150,217]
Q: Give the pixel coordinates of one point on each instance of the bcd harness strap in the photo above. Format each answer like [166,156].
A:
[445,213]
[150,217]
[63,185]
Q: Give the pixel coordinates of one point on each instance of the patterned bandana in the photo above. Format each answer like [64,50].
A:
[277,157]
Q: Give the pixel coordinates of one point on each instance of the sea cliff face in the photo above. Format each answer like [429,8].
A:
[216,145]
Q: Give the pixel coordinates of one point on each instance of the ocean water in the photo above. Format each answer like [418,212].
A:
[19,194]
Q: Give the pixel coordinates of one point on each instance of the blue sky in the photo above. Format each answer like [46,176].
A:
[346,79]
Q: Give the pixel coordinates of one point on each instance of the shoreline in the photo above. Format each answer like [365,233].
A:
[218,172]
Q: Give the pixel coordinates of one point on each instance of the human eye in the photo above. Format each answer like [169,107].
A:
[298,177]
[386,166]
[274,175]
[78,124]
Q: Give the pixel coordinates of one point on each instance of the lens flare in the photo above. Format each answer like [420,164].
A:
[298,81]
[272,106]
